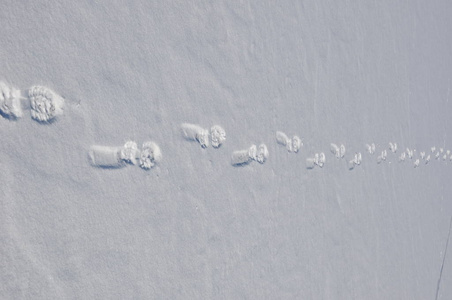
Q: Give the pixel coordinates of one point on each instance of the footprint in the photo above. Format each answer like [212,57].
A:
[410,153]
[335,150]
[384,154]
[252,152]
[10,106]
[310,163]
[351,164]
[282,139]
[45,104]
[262,154]
[339,152]
[321,159]
[422,154]
[382,157]
[379,159]
[105,157]
[217,136]
[370,148]
[150,155]
[342,150]
[292,145]
[296,143]
[129,152]
[244,157]
[193,132]
[393,147]
[358,158]
[356,161]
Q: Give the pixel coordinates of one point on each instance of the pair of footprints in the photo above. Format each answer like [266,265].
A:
[253,153]
[339,152]
[193,132]
[292,145]
[260,154]
[129,154]
[439,152]
[217,136]
[45,104]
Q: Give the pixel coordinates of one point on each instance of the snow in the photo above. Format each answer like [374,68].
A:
[194,226]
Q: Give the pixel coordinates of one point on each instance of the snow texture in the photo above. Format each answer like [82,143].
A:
[79,222]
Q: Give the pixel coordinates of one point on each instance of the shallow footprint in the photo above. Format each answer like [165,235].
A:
[282,139]
[310,163]
[105,157]
[244,157]
[193,132]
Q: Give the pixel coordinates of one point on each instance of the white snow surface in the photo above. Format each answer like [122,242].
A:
[195,226]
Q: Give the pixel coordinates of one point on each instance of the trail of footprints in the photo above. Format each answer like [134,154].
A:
[46,106]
